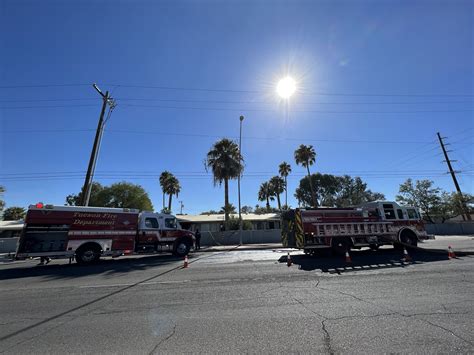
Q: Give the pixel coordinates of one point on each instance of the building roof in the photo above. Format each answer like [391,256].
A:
[209,218]
[11,225]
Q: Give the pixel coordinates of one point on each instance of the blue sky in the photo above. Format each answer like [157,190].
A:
[376,81]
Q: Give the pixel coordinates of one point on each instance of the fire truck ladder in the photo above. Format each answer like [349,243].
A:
[354,229]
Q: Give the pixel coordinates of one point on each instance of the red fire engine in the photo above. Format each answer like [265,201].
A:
[369,225]
[87,233]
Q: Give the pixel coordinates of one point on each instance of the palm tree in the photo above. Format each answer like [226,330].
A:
[277,186]
[226,163]
[164,177]
[306,156]
[172,188]
[265,193]
[285,169]
[2,203]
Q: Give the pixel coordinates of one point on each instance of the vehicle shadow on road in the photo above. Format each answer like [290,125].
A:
[363,260]
[108,267]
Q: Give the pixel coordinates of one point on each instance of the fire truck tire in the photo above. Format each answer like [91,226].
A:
[407,238]
[340,246]
[88,253]
[374,246]
[182,247]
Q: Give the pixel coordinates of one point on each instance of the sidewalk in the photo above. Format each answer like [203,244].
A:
[461,243]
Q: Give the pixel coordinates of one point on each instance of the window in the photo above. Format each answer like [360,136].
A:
[389,213]
[151,223]
[412,213]
[271,225]
[170,223]
[400,214]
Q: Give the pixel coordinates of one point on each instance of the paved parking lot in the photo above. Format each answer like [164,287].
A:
[241,301]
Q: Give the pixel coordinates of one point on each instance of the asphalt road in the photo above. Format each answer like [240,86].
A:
[241,302]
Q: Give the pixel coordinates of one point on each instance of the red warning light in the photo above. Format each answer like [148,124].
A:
[39,205]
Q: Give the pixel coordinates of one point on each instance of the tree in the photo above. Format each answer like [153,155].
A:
[229,209]
[95,198]
[14,213]
[210,212]
[118,195]
[277,186]
[164,177]
[306,156]
[326,185]
[423,195]
[262,210]
[335,191]
[285,169]
[2,203]
[172,187]
[226,163]
[353,191]
[247,209]
[233,224]
[265,194]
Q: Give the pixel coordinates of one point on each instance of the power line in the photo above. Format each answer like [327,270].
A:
[235,109]
[243,102]
[294,111]
[197,135]
[39,86]
[45,106]
[183,88]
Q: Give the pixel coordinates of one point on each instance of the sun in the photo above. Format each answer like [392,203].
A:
[286,87]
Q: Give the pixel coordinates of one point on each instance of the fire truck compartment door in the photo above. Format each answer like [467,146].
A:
[47,238]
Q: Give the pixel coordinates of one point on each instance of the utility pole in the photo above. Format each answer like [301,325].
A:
[181,207]
[86,189]
[453,175]
[238,181]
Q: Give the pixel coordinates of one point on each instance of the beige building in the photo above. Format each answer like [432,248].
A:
[214,222]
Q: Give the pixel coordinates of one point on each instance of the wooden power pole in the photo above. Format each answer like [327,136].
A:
[453,175]
[86,189]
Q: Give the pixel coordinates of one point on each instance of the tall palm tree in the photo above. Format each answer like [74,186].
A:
[164,177]
[172,188]
[306,156]
[226,163]
[285,169]
[277,186]
[2,203]
[265,193]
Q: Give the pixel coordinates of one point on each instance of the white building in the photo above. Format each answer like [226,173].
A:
[214,222]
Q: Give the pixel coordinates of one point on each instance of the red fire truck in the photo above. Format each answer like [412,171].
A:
[87,233]
[369,225]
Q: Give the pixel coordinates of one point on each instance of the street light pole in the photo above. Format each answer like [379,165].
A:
[238,181]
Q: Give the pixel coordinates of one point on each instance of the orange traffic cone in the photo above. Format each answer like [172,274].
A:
[348,257]
[288,260]
[451,254]
[185,262]
[406,256]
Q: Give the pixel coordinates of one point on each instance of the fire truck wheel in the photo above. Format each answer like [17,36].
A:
[88,254]
[408,238]
[181,248]
[340,246]
[374,246]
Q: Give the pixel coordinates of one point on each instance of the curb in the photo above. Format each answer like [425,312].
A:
[238,247]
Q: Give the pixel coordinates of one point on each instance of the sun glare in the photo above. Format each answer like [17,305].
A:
[286,87]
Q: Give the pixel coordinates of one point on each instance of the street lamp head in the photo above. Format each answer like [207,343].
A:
[241,118]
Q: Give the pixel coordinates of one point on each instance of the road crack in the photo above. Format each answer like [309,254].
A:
[173,332]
